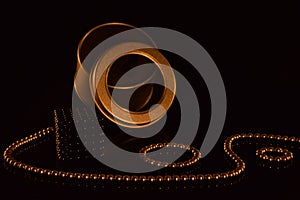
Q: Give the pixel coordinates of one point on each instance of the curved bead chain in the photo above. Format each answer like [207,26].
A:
[239,169]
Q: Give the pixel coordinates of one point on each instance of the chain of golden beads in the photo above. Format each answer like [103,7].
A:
[239,163]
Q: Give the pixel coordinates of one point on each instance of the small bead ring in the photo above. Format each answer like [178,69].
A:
[196,155]
[287,155]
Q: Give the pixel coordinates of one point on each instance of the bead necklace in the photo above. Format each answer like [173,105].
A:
[239,163]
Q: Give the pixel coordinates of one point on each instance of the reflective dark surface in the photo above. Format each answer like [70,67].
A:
[256,48]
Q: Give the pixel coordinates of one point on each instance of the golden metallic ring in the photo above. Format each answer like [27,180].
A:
[98,83]
[119,114]
[89,41]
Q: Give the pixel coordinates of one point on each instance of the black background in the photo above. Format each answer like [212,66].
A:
[255,46]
